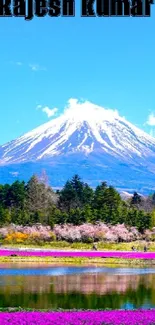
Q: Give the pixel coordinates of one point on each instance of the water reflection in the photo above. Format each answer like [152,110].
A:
[76,287]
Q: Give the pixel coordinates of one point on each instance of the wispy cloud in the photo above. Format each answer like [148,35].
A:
[38,106]
[15,174]
[19,63]
[36,67]
[48,111]
[151,120]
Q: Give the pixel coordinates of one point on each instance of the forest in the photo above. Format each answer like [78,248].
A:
[76,203]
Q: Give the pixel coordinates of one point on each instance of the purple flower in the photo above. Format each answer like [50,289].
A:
[43,253]
[118,317]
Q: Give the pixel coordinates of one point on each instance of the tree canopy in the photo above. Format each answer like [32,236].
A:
[76,203]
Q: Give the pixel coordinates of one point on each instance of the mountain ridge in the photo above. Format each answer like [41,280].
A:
[96,140]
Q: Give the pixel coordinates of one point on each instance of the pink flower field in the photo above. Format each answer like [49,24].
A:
[88,254]
[79,318]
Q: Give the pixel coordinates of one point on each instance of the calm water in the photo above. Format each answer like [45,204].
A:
[39,286]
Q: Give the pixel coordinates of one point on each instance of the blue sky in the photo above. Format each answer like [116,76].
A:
[46,61]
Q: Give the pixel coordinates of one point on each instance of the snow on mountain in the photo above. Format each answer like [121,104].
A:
[83,128]
[87,139]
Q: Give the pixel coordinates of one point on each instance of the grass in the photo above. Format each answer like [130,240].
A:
[76,260]
[84,246]
[63,245]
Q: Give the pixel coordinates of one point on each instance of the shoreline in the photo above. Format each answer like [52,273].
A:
[38,255]
[62,310]
[114,255]
[71,260]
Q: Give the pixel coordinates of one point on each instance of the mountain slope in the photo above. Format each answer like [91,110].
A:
[96,141]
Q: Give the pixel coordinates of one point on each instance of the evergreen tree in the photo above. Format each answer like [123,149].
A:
[98,202]
[5,216]
[88,213]
[132,217]
[76,217]
[4,195]
[17,195]
[112,200]
[153,219]
[78,186]
[123,213]
[88,195]
[75,194]
[67,198]
[143,221]
[136,199]
[107,201]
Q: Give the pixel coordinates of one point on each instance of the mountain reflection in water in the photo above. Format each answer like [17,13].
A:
[76,287]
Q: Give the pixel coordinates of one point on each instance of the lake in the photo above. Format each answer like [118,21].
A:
[43,286]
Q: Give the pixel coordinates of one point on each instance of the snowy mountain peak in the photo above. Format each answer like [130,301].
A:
[83,128]
[87,111]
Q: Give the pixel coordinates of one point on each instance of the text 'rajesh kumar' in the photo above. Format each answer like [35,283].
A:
[66,8]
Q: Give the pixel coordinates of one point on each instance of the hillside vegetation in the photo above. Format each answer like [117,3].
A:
[33,212]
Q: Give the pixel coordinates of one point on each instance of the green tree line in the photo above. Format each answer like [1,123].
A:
[77,203]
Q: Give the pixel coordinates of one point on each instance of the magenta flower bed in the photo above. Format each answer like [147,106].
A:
[79,318]
[42,253]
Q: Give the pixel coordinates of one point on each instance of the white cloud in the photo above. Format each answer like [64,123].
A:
[15,174]
[85,109]
[49,112]
[151,120]
[38,106]
[36,67]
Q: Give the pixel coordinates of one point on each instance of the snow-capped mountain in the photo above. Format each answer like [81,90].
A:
[87,139]
[84,128]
